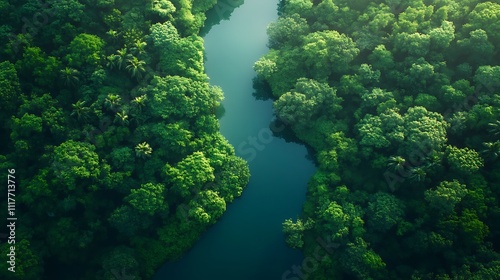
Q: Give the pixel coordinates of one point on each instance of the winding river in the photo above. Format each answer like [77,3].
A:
[247,243]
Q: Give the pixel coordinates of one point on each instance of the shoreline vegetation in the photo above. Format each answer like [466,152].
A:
[400,101]
[108,119]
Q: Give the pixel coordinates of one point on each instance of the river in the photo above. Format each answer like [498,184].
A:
[247,243]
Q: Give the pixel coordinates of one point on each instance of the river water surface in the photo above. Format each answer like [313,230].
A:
[247,243]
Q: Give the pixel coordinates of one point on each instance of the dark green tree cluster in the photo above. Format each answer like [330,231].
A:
[109,120]
[400,100]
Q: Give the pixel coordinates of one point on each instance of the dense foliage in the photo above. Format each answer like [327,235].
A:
[108,118]
[400,99]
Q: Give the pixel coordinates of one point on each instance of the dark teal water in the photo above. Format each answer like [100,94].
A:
[247,243]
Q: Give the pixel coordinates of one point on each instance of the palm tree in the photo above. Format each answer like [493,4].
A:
[136,67]
[417,174]
[139,102]
[494,128]
[113,100]
[70,76]
[139,46]
[80,110]
[122,118]
[113,34]
[112,61]
[396,163]
[143,150]
[492,150]
[122,55]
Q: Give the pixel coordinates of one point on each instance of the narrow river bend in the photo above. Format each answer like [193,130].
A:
[247,243]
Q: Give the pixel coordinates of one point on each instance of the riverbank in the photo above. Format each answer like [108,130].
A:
[247,243]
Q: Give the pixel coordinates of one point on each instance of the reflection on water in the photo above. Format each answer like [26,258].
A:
[247,243]
[220,111]
[221,11]
[262,90]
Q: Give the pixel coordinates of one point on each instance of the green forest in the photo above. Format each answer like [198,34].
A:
[400,101]
[109,133]
[108,120]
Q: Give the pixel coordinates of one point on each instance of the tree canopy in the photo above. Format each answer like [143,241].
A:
[406,144]
[109,121]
